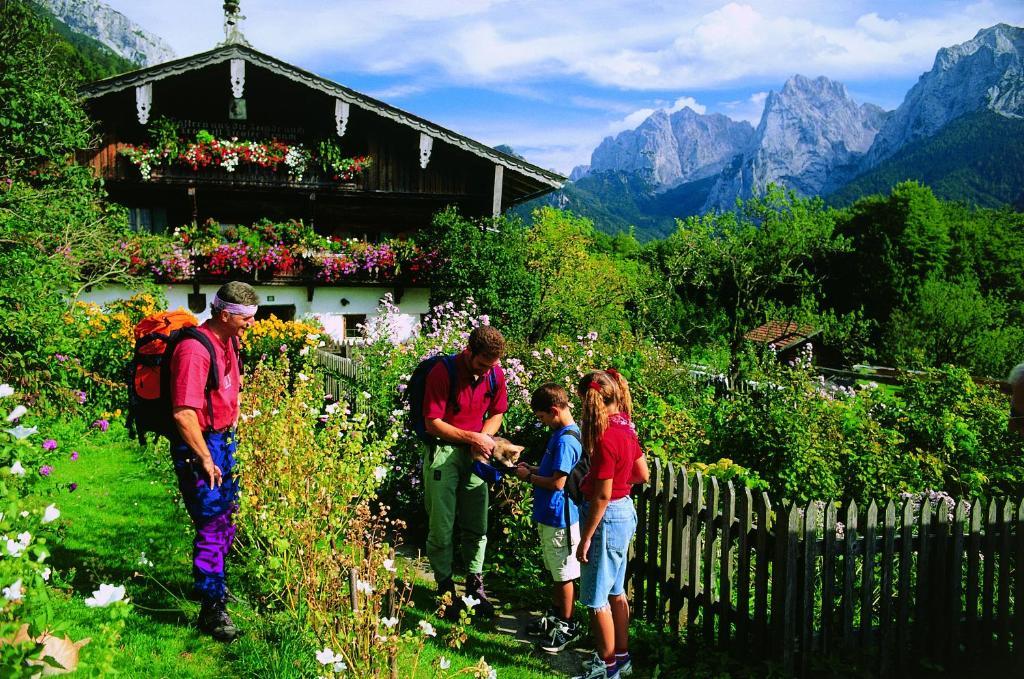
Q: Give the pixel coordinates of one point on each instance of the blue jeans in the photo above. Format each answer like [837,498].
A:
[604,573]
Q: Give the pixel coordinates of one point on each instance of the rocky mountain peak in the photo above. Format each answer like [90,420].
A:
[986,72]
[669,149]
[113,29]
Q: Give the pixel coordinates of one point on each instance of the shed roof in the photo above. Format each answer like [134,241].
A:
[781,335]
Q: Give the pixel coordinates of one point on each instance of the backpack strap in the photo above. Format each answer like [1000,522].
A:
[565,496]
[213,376]
[453,381]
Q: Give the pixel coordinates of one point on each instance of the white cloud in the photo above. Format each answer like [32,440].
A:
[749,109]
[637,45]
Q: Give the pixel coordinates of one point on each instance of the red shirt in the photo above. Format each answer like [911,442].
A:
[189,368]
[474,397]
[613,458]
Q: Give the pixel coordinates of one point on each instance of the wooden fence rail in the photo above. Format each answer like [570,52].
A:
[888,585]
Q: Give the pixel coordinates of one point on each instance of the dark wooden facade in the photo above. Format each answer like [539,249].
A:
[394,196]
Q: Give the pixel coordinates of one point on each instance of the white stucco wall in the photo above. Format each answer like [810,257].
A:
[326,305]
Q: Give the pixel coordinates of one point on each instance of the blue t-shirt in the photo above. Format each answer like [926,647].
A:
[562,454]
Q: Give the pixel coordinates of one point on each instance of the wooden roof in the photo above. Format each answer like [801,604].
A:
[525,179]
[781,335]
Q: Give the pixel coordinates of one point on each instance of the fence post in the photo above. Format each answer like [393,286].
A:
[789,595]
[954,578]
[725,571]
[867,576]
[761,636]
[651,573]
[849,570]
[807,603]
[828,577]
[920,640]
[903,614]
[710,528]
[693,539]
[885,598]
[668,579]
[973,557]
[745,503]
[639,547]
[681,548]
[1018,600]
[988,579]
[939,592]
[1003,613]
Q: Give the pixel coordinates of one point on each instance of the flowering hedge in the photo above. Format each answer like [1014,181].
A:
[287,249]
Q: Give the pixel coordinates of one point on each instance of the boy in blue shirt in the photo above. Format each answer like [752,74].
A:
[556,516]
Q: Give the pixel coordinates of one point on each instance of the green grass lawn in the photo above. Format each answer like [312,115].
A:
[126,505]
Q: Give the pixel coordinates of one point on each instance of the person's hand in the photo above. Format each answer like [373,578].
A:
[214,477]
[582,550]
[522,471]
[481,447]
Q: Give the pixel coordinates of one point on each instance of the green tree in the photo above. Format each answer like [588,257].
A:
[741,260]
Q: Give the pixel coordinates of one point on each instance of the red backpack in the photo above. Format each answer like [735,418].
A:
[149,373]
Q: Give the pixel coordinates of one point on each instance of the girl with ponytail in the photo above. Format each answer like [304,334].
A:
[608,517]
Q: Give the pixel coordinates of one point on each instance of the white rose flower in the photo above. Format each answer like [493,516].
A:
[444,663]
[105,595]
[427,629]
[18,411]
[364,587]
[51,513]
[14,548]
[326,656]
[22,432]
[6,390]
[46,574]
[17,469]
[14,592]
[389,622]
[470,601]
[25,538]
[389,565]
[379,473]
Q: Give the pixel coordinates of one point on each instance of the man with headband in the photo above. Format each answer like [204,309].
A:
[206,412]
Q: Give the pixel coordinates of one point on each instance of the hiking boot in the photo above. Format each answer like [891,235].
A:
[475,588]
[561,636]
[542,626]
[593,668]
[215,621]
[451,609]
[625,667]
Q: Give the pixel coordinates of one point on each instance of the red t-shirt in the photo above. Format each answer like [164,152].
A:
[189,368]
[613,458]
[473,395]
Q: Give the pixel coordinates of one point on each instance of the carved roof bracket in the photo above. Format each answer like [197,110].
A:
[341,111]
[143,102]
[237,78]
[426,146]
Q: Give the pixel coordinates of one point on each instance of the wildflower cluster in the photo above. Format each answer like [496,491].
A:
[271,339]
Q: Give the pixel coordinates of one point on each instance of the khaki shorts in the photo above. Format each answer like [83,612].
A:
[559,557]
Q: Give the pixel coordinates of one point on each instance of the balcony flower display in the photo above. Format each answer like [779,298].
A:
[206,151]
[289,249]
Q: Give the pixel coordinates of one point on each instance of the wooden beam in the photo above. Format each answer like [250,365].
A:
[499,174]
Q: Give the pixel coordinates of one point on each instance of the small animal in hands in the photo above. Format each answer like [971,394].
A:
[506,453]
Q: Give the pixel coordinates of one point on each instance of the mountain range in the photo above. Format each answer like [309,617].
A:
[111,28]
[960,129]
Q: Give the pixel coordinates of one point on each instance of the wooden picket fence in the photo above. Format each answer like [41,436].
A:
[887,586]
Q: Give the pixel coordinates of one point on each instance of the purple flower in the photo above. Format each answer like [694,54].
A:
[60,357]
[81,395]
[49,444]
[74,455]
[72,488]
[102,425]
[284,348]
[46,470]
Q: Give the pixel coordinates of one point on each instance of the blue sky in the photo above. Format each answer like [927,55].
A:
[552,78]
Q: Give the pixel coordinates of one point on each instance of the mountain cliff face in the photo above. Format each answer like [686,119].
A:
[811,138]
[986,72]
[113,29]
[671,149]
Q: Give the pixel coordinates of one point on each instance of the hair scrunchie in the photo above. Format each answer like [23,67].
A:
[595,386]
[613,372]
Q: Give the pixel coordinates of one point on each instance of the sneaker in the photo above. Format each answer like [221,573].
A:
[561,636]
[625,667]
[215,621]
[475,588]
[543,625]
[593,668]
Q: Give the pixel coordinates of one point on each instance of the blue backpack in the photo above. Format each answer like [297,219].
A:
[417,387]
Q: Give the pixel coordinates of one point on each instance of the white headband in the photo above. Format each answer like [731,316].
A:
[231,308]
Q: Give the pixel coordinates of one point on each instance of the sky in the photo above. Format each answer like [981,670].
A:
[552,78]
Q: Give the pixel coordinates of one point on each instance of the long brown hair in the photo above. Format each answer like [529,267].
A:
[625,399]
[597,390]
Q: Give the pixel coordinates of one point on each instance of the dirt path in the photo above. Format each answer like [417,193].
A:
[513,623]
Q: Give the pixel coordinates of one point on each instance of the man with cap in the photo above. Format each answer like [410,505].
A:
[203,451]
